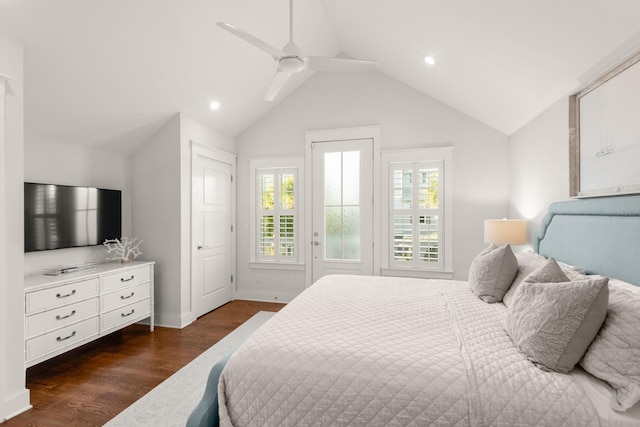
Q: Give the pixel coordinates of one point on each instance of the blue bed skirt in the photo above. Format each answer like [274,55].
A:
[206,413]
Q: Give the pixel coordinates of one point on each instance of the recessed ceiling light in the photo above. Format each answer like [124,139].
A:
[429,60]
[214,105]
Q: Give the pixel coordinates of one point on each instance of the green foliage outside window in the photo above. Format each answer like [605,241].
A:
[267,193]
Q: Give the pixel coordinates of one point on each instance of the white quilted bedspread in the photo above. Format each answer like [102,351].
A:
[375,351]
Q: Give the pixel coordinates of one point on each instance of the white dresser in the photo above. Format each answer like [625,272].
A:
[63,312]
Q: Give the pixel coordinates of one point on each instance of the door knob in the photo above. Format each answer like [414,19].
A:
[316,243]
[199,247]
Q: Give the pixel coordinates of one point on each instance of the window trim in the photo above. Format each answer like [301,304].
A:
[277,163]
[416,156]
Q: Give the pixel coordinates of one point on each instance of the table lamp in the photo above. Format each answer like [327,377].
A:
[503,231]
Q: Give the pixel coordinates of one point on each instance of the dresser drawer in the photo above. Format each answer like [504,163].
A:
[60,317]
[126,296]
[59,296]
[62,338]
[126,278]
[132,312]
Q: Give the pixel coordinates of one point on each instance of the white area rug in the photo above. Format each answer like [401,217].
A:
[171,402]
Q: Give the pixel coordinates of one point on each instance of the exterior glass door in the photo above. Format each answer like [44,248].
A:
[342,208]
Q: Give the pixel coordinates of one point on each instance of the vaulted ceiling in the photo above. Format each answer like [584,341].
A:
[111,72]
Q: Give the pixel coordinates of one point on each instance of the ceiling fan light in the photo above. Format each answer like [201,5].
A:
[291,64]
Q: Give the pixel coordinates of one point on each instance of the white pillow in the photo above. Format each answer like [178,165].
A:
[492,272]
[614,355]
[573,272]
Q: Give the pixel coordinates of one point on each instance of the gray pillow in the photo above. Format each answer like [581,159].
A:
[553,320]
[492,272]
[614,355]
[528,262]
[549,272]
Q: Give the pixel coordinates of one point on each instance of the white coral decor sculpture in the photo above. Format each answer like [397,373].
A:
[123,248]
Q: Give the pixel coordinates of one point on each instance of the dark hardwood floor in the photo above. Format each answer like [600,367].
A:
[90,385]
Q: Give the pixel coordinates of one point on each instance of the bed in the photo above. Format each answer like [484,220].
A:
[357,350]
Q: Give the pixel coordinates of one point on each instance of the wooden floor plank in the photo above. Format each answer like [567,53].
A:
[92,384]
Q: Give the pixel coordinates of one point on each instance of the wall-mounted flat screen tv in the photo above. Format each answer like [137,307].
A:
[62,216]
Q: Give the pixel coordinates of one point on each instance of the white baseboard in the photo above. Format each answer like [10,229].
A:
[15,405]
[166,321]
[283,297]
[171,321]
[187,319]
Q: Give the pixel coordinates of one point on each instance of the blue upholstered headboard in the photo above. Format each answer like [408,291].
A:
[601,235]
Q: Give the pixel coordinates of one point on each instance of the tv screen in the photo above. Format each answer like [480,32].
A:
[62,216]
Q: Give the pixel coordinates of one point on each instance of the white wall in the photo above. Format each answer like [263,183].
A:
[539,165]
[155,190]
[161,206]
[14,397]
[408,119]
[52,162]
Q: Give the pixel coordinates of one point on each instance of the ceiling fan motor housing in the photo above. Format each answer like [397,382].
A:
[291,64]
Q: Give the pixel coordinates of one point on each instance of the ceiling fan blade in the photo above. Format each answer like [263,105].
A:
[277,84]
[274,52]
[321,63]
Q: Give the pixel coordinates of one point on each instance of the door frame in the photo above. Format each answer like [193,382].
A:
[342,134]
[221,156]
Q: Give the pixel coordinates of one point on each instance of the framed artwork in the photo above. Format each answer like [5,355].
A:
[604,134]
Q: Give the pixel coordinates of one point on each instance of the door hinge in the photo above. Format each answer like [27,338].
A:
[232,278]
[232,228]
[231,178]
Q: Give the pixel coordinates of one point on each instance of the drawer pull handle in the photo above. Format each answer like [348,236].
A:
[122,279]
[60,339]
[128,314]
[73,292]
[127,297]
[58,317]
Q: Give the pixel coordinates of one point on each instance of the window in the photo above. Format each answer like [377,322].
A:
[418,235]
[414,214]
[275,206]
[276,214]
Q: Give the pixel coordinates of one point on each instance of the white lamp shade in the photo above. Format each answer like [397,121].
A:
[503,231]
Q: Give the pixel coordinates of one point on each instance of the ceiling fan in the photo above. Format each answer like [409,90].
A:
[290,59]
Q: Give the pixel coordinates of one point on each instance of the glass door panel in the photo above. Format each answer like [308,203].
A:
[342,205]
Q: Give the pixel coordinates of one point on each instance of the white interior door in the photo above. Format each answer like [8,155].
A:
[342,208]
[212,255]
